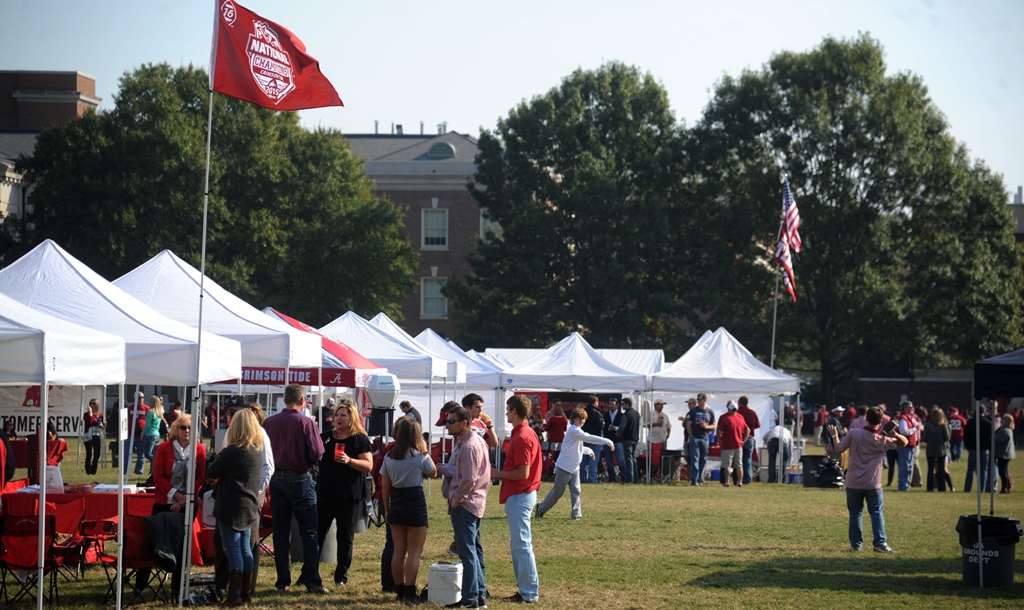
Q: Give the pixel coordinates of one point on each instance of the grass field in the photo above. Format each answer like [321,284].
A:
[672,546]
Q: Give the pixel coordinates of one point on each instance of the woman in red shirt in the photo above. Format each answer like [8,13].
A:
[56,447]
[557,423]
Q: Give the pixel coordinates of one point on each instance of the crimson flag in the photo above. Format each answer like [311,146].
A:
[261,62]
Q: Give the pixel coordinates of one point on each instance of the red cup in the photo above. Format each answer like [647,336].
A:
[338,450]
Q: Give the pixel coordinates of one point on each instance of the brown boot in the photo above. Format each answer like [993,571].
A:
[247,586]
[233,598]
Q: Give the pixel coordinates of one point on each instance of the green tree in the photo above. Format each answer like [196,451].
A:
[292,220]
[908,247]
[584,182]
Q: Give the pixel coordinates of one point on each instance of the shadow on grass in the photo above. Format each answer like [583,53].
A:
[862,573]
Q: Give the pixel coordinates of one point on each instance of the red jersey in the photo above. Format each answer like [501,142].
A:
[732,431]
[956,428]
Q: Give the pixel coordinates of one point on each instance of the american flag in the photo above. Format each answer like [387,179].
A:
[792,215]
[785,260]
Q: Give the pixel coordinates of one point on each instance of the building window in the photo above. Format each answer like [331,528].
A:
[435,229]
[433,304]
[487,224]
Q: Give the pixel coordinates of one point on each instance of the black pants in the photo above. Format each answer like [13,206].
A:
[387,577]
[937,473]
[342,510]
[92,454]
[891,457]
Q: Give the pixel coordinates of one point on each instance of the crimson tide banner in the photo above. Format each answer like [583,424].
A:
[261,62]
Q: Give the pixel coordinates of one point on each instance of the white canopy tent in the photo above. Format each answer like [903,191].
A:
[170,285]
[644,361]
[159,350]
[38,349]
[719,365]
[572,365]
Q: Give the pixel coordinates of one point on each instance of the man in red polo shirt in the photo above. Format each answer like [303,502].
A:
[520,481]
[732,431]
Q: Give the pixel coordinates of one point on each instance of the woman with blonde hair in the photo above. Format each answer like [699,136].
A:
[150,433]
[405,506]
[237,472]
[1005,451]
[341,486]
[92,435]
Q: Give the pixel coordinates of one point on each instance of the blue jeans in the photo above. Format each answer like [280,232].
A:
[608,455]
[145,452]
[293,494]
[517,511]
[466,526]
[905,466]
[956,449]
[855,499]
[698,459]
[237,547]
[748,459]
[984,479]
[588,469]
[632,474]
[773,465]
[620,459]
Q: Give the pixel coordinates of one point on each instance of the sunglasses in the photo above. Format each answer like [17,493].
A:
[454,421]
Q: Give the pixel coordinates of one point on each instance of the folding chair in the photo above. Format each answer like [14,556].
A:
[95,535]
[136,562]
[266,528]
[68,542]
[19,554]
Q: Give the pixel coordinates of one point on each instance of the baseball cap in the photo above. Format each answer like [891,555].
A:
[954,410]
[660,402]
[441,419]
[731,405]
[330,401]
[838,410]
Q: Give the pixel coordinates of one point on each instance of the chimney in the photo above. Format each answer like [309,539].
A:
[1019,197]
[392,128]
[421,128]
[398,129]
[439,132]
[444,126]
[375,130]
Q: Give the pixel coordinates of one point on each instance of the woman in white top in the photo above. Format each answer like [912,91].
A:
[567,466]
[405,506]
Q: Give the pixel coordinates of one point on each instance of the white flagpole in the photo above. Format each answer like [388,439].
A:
[197,410]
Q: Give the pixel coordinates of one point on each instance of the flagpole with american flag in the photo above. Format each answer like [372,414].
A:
[789,242]
[261,62]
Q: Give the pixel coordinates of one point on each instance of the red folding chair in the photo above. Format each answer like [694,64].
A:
[135,561]
[68,542]
[19,558]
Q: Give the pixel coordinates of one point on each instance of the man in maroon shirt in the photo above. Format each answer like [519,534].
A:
[520,480]
[750,443]
[297,448]
[732,431]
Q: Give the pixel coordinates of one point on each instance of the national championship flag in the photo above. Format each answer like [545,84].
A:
[261,62]
[792,218]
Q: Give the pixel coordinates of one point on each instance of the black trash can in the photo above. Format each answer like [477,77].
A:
[999,538]
[810,465]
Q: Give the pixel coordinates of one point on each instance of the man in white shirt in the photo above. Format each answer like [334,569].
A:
[778,439]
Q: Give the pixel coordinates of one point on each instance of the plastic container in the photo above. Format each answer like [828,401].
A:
[999,538]
[444,584]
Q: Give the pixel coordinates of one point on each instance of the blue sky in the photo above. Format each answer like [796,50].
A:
[468,62]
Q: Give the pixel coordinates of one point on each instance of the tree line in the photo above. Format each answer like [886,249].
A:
[617,220]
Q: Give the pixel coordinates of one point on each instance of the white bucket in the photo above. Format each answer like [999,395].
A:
[444,585]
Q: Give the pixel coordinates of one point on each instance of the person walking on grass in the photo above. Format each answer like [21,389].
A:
[520,480]
[867,447]
[567,466]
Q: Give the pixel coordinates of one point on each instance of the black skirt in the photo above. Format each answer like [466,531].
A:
[408,507]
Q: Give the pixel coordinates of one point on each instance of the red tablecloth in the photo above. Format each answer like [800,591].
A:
[100,506]
[19,447]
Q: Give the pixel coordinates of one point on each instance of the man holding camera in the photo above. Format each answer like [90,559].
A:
[867,447]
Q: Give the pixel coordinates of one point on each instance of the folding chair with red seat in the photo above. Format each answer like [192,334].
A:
[67,540]
[135,560]
[19,555]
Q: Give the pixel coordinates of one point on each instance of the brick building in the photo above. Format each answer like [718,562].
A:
[30,101]
[427,175]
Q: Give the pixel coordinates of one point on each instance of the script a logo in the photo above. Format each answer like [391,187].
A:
[270,65]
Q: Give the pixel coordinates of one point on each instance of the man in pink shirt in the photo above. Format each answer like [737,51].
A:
[867,448]
[467,499]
